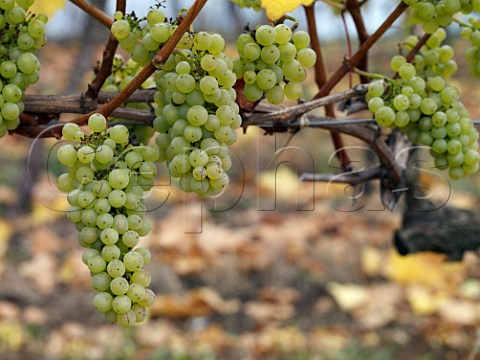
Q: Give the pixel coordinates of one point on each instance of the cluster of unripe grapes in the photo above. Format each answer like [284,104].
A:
[106,179]
[273,61]
[22,35]
[432,14]
[471,32]
[196,113]
[425,107]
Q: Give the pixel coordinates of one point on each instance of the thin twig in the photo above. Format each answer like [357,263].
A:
[320,79]
[94,12]
[353,7]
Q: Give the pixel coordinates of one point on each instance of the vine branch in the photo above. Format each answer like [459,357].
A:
[94,12]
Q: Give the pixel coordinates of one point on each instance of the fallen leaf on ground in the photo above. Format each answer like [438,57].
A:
[199,302]
[348,296]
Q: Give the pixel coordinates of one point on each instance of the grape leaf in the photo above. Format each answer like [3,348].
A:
[277,8]
[47,7]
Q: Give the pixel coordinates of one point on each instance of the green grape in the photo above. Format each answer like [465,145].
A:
[100,281]
[307,57]
[103,301]
[133,261]
[141,277]
[283,34]
[121,304]
[301,39]
[120,29]
[119,286]
[385,116]
[266,79]
[265,35]
[293,90]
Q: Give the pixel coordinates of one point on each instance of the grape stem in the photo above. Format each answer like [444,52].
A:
[182,54]
[462,23]
[94,12]
[371,75]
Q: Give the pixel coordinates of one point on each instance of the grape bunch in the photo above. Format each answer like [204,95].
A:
[423,105]
[22,34]
[273,61]
[254,4]
[471,32]
[197,115]
[106,179]
[433,14]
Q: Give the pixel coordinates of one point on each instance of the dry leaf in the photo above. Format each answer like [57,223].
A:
[348,296]
[373,261]
[423,301]
[460,312]
[199,302]
[429,269]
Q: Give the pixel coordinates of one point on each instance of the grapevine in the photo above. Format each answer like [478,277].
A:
[199,97]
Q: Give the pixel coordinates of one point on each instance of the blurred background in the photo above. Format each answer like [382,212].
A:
[274,269]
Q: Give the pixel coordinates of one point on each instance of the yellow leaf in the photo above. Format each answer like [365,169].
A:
[429,269]
[5,232]
[283,183]
[423,301]
[47,7]
[277,8]
[348,296]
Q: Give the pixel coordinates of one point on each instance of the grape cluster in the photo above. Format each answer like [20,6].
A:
[273,61]
[254,4]
[423,105]
[196,113]
[106,179]
[471,32]
[22,35]
[432,14]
